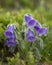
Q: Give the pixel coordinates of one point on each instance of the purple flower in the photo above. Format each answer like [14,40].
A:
[11,41]
[30,36]
[30,21]
[38,27]
[9,32]
[28,17]
[41,30]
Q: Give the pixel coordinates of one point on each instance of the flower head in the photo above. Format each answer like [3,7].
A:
[38,27]
[30,36]
[31,22]
[11,41]
[43,31]
[28,17]
[9,32]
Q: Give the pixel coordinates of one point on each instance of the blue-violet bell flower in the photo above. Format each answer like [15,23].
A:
[11,42]
[10,31]
[30,36]
[41,30]
[31,22]
[38,27]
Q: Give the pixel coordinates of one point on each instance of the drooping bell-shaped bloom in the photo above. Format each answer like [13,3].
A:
[28,17]
[31,22]
[11,41]
[38,27]
[30,36]
[43,31]
[9,32]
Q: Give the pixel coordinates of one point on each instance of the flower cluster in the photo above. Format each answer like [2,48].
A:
[30,35]
[9,33]
[31,22]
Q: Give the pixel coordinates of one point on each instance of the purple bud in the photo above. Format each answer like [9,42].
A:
[30,36]
[9,32]
[30,21]
[11,41]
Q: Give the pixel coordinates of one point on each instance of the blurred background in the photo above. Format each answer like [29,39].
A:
[14,10]
[18,4]
[21,4]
